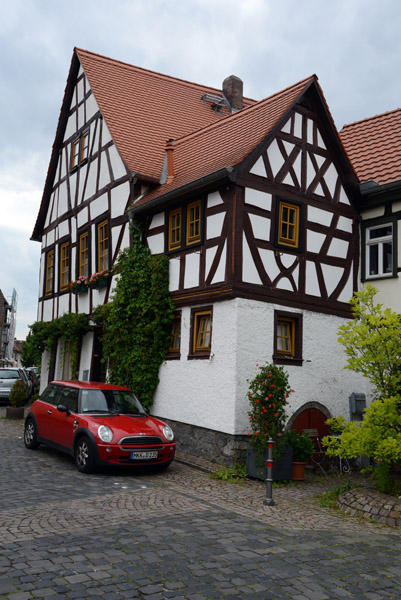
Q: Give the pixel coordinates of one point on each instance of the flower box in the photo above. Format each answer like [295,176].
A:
[80,289]
[282,468]
[98,280]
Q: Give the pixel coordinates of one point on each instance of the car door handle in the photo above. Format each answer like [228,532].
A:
[49,412]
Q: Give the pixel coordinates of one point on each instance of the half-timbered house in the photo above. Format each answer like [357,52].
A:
[255,205]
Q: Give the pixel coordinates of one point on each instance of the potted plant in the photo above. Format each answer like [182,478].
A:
[18,398]
[302,448]
[268,398]
[98,280]
[80,286]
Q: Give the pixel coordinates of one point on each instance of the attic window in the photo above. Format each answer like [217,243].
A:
[79,149]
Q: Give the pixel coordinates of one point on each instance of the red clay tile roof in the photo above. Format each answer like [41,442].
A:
[374,147]
[227,142]
[143,109]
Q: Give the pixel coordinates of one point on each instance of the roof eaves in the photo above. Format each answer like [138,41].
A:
[221,174]
[62,121]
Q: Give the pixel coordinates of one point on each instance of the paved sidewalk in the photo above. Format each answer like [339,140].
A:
[177,534]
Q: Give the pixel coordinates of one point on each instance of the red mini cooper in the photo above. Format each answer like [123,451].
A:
[98,424]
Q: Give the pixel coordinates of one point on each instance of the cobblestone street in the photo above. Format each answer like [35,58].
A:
[178,534]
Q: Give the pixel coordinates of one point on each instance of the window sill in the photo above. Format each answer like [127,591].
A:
[279,359]
[173,356]
[198,355]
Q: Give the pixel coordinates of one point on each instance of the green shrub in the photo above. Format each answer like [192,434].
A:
[302,445]
[18,394]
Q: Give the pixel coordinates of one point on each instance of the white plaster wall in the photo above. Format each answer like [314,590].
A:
[213,393]
[214,225]
[191,278]
[117,164]
[214,199]
[157,221]
[199,391]
[86,354]
[99,206]
[156,243]
[257,198]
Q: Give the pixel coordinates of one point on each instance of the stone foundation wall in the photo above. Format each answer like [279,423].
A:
[215,446]
[372,504]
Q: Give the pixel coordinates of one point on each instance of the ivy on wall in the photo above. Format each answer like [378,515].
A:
[136,322]
[44,334]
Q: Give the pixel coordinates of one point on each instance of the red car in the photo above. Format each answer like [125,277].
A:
[98,424]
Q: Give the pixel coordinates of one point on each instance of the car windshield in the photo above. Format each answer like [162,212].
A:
[9,374]
[111,401]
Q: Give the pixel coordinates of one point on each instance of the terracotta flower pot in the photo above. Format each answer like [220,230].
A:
[298,470]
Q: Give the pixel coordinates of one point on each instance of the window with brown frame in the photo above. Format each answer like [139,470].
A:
[64,266]
[175,336]
[194,222]
[83,264]
[287,338]
[80,149]
[201,334]
[174,229]
[288,224]
[103,246]
[49,273]
[185,226]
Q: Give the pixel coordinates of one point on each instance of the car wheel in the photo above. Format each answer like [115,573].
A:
[84,455]
[30,435]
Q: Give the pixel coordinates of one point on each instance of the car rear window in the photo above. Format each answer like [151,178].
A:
[9,374]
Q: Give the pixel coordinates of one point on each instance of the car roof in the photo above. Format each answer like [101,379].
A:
[90,385]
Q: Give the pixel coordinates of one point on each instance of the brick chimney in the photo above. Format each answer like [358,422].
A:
[232,90]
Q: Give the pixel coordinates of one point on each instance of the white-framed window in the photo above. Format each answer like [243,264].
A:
[379,249]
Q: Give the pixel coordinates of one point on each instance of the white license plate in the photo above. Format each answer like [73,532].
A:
[143,455]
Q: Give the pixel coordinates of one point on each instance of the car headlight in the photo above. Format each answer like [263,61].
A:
[105,434]
[168,433]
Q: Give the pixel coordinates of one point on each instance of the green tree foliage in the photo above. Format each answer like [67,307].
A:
[136,322]
[372,343]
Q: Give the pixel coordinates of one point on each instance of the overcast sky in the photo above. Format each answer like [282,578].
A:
[352,45]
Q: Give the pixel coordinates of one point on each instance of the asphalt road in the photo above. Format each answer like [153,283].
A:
[179,535]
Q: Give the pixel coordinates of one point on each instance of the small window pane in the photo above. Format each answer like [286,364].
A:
[379,232]
[373,260]
[387,258]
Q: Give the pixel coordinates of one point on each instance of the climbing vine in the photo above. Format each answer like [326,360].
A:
[44,334]
[136,322]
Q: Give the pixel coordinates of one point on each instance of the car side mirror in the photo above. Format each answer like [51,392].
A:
[62,408]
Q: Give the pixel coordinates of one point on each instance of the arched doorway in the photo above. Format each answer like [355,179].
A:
[310,416]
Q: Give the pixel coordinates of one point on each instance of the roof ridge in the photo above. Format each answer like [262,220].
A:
[241,113]
[150,72]
[372,118]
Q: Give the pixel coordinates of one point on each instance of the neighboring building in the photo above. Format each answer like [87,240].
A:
[8,310]
[255,203]
[17,352]
[374,147]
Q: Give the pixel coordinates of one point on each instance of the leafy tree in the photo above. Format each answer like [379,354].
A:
[136,322]
[372,343]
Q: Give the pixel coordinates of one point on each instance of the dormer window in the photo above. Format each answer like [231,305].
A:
[80,149]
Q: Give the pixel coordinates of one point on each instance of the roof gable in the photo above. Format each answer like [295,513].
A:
[235,143]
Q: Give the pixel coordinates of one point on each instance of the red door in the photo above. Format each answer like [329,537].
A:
[311,418]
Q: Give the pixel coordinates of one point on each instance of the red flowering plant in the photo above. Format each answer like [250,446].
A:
[96,279]
[268,397]
[79,284]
